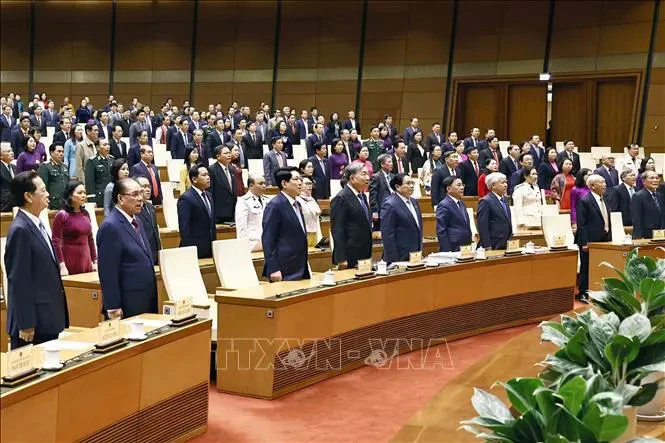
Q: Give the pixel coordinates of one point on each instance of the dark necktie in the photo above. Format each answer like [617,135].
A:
[505,207]
[364,204]
[465,215]
[206,202]
[655,200]
[137,230]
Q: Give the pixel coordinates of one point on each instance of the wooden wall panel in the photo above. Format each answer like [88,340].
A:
[478,106]
[14,41]
[526,111]
[570,119]
[653,136]
[614,109]
[21,88]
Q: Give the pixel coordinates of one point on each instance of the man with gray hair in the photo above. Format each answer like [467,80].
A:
[647,207]
[618,198]
[379,185]
[249,211]
[593,225]
[351,219]
[494,220]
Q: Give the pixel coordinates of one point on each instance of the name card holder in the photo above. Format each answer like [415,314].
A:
[364,269]
[109,337]
[513,248]
[415,261]
[21,367]
[465,254]
[558,242]
[183,312]
[658,236]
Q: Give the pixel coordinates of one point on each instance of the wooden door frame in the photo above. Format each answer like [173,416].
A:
[568,77]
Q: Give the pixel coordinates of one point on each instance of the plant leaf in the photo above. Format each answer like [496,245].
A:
[573,394]
[650,287]
[621,350]
[637,325]
[553,332]
[490,406]
[574,349]
[644,394]
[520,392]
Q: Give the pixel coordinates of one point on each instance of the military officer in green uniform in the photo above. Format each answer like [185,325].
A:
[55,175]
[375,146]
[98,171]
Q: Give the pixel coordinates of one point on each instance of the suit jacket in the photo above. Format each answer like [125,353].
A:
[41,124]
[351,228]
[38,303]
[546,174]
[309,143]
[432,141]
[141,170]
[118,149]
[469,177]
[124,124]
[301,130]
[253,149]
[136,128]
[494,223]
[611,177]
[590,223]
[405,164]
[468,142]
[214,139]
[646,216]
[618,199]
[408,134]
[447,146]
[576,162]
[437,183]
[6,127]
[507,166]
[538,155]
[270,165]
[487,153]
[414,157]
[347,125]
[100,128]
[133,155]
[196,225]
[321,189]
[6,199]
[51,118]
[17,140]
[178,144]
[284,240]
[453,227]
[59,138]
[515,179]
[223,195]
[400,232]
[126,271]
[148,218]
[379,190]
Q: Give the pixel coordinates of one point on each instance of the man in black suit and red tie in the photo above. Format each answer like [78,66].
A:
[492,151]
[400,164]
[470,171]
[196,220]
[146,169]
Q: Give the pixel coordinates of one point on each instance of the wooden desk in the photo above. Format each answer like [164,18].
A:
[4,338]
[615,254]
[154,390]
[171,237]
[269,346]
[439,419]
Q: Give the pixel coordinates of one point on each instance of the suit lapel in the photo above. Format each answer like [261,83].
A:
[130,229]
[38,234]
[499,206]
[356,204]
[405,210]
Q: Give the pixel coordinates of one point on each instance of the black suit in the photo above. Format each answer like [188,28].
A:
[148,218]
[6,127]
[253,148]
[470,177]
[576,161]
[545,175]
[433,141]
[124,124]
[590,228]
[59,138]
[618,199]
[487,153]
[379,190]
[196,225]
[494,222]
[141,170]
[351,228]
[538,155]
[611,177]
[38,303]
[41,124]
[6,199]
[404,162]
[437,183]
[118,149]
[508,166]
[321,189]
[646,215]
[414,157]
[453,226]
[223,195]
[215,139]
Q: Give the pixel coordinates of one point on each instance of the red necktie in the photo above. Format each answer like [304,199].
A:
[162,139]
[400,168]
[153,180]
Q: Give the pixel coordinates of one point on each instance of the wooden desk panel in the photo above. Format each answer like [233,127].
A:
[326,331]
[615,254]
[440,418]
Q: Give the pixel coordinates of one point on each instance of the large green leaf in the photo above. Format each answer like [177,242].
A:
[490,406]
[573,394]
[570,325]
[574,349]
[547,401]
[650,287]
[504,430]
[601,332]
[644,395]
[655,338]
[637,325]
[606,427]
[553,332]
[573,428]
[520,392]
[649,355]
[621,350]
[528,426]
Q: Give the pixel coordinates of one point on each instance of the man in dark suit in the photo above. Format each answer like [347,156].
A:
[7,123]
[142,123]
[494,220]
[7,173]
[315,137]
[180,140]
[492,151]
[400,163]
[619,197]
[217,137]
[125,123]
[453,227]
[449,169]
[61,137]
[37,306]
[574,157]
[19,135]
[452,142]
[321,172]
[118,147]
[350,219]
[593,225]
[302,126]
[526,161]
[351,122]
[392,130]
[379,185]
[148,219]
[51,116]
[273,160]
[284,236]
[607,170]
[489,135]
[537,151]
[401,221]
[473,140]
[104,128]
[435,138]
[37,121]
[146,169]
[410,130]
[252,142]
[197,144]
[223,186]
[648,207]
[98,172]
[196,221]
[470,171]
[126,271]
[236,141]
[510,163]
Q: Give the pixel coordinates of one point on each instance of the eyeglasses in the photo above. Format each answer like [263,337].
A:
[134,194]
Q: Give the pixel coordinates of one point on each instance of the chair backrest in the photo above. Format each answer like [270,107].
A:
[233,261]
[417,191]
[160,158]
[559,146]
[50,132]
[255,166]
[266,149]
[503,147]
[170,205]
[90,207]
[660,162]
[558,225]
[292,162]
[598,151]
[543,197]
[181,274]
[616,225]
[472,220]
[173,168]
[335,187]
[3,245]
[299,152]
[588,160]
[549,210]
[513,218]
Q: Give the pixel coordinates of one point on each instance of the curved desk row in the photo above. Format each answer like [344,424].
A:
[270,345]
[154,390]
[615,254]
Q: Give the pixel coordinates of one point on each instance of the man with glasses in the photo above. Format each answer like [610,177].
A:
[126,263]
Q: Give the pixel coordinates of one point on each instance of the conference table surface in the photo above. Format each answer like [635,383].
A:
[151,390]
[440,418]
[615,254]
[263,332]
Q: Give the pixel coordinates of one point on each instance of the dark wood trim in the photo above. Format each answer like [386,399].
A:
[275,56]
[550,34]
[114,18]
[361,59]
[449,75]
[31,58]
[647,71]
[192,60]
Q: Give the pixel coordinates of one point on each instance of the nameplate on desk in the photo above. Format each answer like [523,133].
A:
[559,240]
[466,251]
[108,332]
[658,234]
[415,257]
[20,362]
[365,266]
[182,308]
[513,245]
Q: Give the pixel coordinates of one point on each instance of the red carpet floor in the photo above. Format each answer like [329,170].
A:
[368,404]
